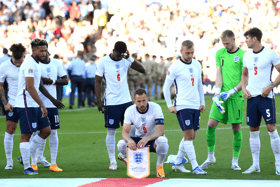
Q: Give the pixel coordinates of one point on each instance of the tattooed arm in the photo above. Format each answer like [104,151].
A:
[7,106]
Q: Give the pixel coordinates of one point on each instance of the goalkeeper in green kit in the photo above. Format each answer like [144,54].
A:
[228,100]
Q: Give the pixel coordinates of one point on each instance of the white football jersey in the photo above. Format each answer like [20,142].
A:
[51,70]
[147,119]
[29,68]
[115,75]
[188,85]
[9,71]
[260,67]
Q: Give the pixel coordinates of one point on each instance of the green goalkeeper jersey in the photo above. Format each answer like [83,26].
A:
[232,66]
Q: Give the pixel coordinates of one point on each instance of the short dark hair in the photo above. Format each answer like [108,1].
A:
[140,91]
[254,32]
[18,50]
[56,56]
[120,47]
[5,50]
[38,42]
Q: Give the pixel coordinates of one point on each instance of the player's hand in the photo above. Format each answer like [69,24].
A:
[218,103]
[100,107]
[225,95]
[126,54]
[142,143]
[44,111]
[8,107]
[202,108]
[58,104]
[132,145]
[266,91]
[47,81]
[246,94]
[172,109]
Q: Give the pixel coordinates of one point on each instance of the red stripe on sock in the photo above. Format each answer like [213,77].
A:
[125,182]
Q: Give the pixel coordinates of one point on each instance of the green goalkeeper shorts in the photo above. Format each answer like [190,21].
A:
[233,111]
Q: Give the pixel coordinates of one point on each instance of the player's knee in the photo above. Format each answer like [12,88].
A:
[162,140]
[162,145]
[121,144]
[111,131]
[271,127]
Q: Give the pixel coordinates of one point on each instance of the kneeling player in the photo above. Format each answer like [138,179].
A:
[147,117]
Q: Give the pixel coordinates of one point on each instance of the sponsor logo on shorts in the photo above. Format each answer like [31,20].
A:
[34,125]
[236,58]
[111,121]
[188,122]
[10,114]
[268,119]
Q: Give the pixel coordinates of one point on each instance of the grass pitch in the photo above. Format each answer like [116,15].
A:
[83,154]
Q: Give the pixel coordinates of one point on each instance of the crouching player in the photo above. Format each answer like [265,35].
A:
[147,117]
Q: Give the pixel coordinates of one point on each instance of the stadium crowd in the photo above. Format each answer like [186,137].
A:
[154,27]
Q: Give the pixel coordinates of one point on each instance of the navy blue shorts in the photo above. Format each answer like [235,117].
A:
[150,143]
[258,107]
[114,114]
[54,118]
[30,119]
[13,116]
[188,119]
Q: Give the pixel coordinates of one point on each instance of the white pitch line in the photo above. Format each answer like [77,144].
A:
[105,132]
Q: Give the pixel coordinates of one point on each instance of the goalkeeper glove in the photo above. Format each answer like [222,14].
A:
[218,103]
[226,95]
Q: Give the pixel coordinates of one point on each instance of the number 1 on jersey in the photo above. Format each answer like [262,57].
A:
[118,77]
[192,81]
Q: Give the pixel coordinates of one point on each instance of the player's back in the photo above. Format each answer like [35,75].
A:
[29,68]
[147,119]
[186,80]
[115,75]
[232,66]
[10,71]
[260,67]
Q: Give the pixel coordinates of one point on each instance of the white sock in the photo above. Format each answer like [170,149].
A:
[255,145]
[9,144]
[275,145]
[110,142]
[234,161]
[161,149]
[181,153]
[211,156]
[53,142]
[189,148]
[25,154]
[37,142]
[122,144]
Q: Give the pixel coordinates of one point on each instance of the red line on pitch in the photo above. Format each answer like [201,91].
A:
[125,182]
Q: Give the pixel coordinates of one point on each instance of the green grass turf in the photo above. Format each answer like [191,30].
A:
[83,154]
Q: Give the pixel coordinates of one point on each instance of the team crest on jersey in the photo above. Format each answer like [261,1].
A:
[236,58]
[30,71]
[256,59]
[117,66]
[34,125]
[10,114]
[111,121]
[143,120]
[188,122]
[48,70]
[191,70]
[138,157]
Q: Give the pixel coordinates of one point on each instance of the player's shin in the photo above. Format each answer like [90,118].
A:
[53,143]
[25,153]
[37,143]
[275,145]
[255,146]
[237,142]
[211,141]
[9,144]
[189,148]
[161,149]
[110,142]
[181,153]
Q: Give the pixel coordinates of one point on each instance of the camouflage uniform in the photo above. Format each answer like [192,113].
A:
[161,73]
[133,81]
[147,64]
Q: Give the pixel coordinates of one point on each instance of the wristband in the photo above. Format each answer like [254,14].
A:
[53,82]
[130,59]
[218,90]
[233,90]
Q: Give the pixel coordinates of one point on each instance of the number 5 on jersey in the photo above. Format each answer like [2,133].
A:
[256,70]
[118,77]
